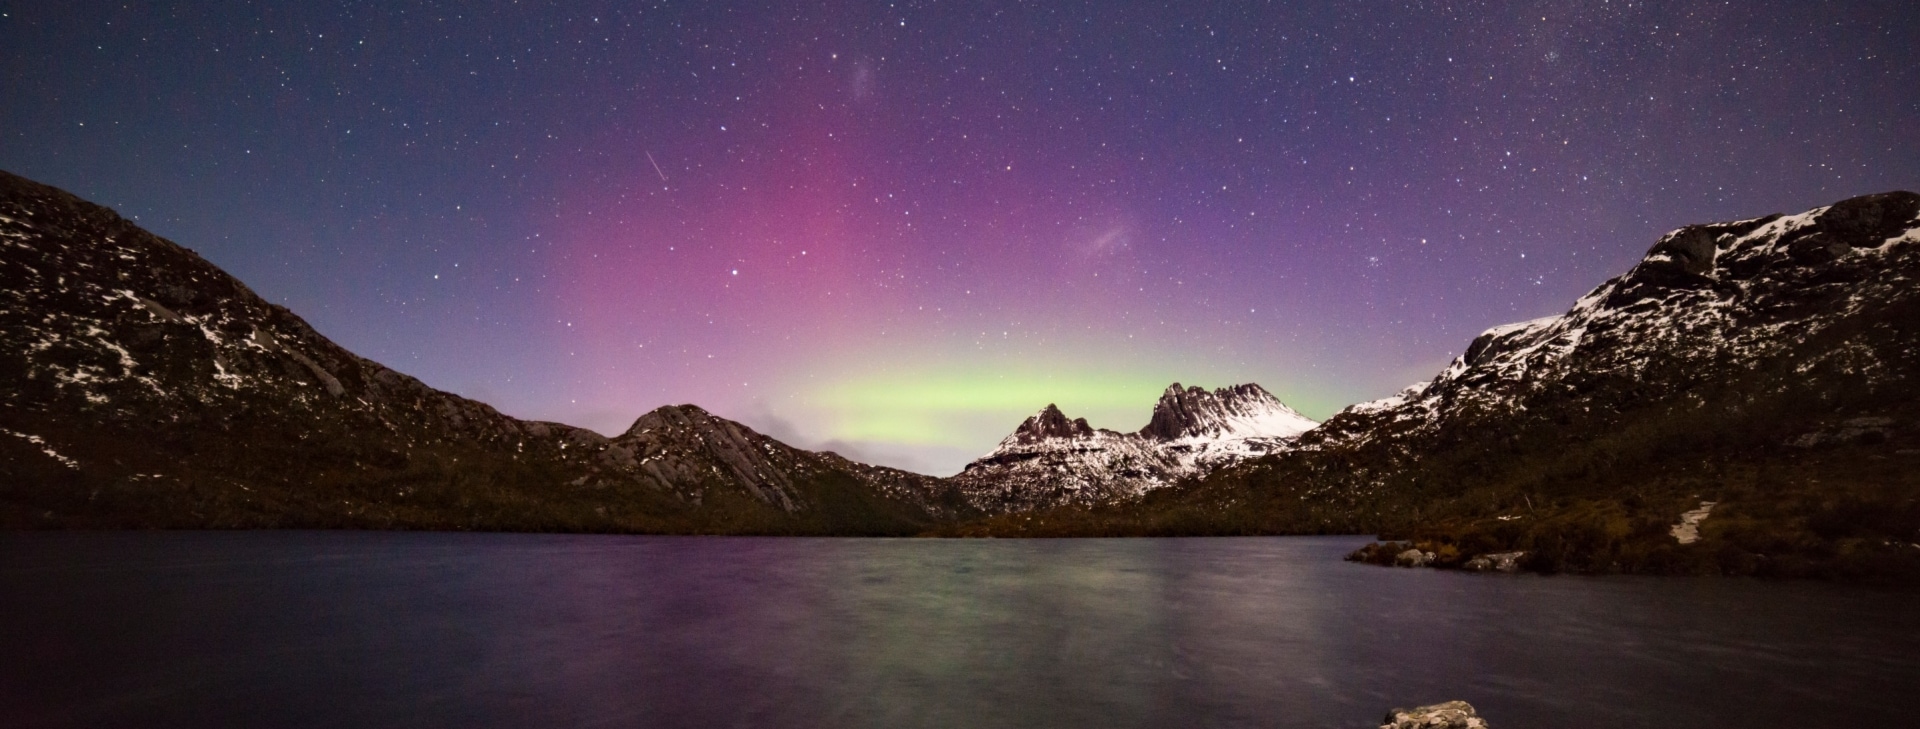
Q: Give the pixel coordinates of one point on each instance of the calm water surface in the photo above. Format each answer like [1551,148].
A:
[330,629]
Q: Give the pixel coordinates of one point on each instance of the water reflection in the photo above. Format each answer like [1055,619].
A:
[332,629]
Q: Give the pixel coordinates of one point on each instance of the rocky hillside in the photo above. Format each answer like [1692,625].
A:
[1050,461]
[1707,303]
[142,386]
[1767,366]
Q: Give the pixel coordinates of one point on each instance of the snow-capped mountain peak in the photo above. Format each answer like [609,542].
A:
[1051,459]
[1240,411]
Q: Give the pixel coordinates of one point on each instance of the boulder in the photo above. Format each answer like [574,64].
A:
[1449,715]
[1413,558]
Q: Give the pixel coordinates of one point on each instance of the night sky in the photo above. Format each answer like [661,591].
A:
[896,229]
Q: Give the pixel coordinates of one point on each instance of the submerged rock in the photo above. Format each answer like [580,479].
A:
[1449,715]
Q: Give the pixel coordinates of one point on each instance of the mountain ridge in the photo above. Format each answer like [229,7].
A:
[144,386]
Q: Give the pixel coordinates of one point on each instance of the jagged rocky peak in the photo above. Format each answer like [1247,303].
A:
[1050,423]
[671,418]
[1245,410]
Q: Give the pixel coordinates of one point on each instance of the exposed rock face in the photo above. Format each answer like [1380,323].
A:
[140,384]
[1450,715]
[1052,461]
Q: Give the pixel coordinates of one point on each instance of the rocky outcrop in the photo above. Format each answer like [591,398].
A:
[1449,715]
[1431,554]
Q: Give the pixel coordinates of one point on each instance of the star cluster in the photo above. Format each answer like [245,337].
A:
[895,229]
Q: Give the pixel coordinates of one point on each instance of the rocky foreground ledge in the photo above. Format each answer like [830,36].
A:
[1449,715]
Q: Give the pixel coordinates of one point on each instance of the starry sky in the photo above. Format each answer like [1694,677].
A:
[895,229]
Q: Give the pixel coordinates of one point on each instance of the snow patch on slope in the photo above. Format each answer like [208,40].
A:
[41,443]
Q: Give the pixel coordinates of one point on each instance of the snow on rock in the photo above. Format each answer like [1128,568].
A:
[1407,394]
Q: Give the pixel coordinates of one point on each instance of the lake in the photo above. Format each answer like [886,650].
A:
[332,629]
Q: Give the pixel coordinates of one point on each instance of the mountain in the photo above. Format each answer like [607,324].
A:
[1050,461]
[1759,375]
[142,386]
[1744,400]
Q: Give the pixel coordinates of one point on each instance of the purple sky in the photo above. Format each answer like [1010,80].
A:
[896,229]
